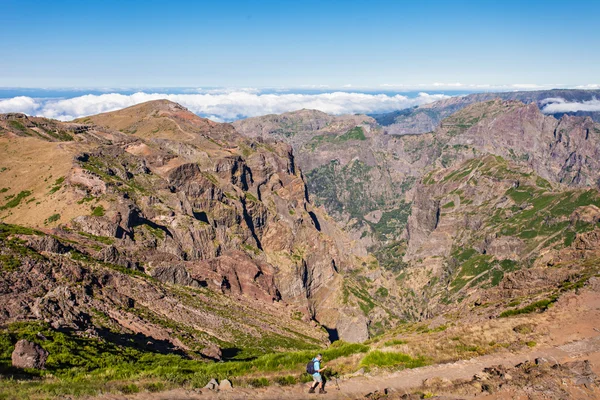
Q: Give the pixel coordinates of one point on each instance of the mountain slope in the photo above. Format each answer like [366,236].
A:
[426,118]
[153,196]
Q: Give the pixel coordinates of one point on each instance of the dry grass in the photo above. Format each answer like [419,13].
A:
[35,165]
[459,341]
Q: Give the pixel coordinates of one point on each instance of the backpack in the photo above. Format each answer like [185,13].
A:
[310,367]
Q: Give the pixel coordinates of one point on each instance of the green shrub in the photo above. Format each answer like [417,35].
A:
[286,380]
[258,382]
[154,387]
[16,200]
[98,211]
[52,218]
[129,389]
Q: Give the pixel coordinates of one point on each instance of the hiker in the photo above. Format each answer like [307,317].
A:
[314,368]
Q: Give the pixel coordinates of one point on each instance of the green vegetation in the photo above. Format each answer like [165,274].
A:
[474,268]
[9,263]
[448,205]
[286,380]
[365,302]
[102,239]
[251,197]
[20,127]
[392,222]
[390,256]
[538,306]
[382,292]
[98,211]
[377,358]
[258,382]
[16,200]
[106,172]
[52,218]
[331,183]
[4,190]
[395,342]
[356,133]
[155,231]
[85,366]
[57,185]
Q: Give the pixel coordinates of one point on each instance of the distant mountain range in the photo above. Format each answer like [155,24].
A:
[427,117]
[153,228]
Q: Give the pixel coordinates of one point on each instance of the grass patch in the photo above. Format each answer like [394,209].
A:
[85,366]
[16,200]
[102,239]
[356,133]
[287,380]
[52,218]
[538,306]
[57,185]
[448,205]
[98,211]
[386,359]
[395,342]
[258,382]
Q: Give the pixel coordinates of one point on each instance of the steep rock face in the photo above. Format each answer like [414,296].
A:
[565,150]
[193,203]
[380,187]
[495,219]
[76,292]
[424,218]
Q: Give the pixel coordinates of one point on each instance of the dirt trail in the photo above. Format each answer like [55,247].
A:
[573,334]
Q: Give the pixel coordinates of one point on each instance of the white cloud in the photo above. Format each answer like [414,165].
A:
[472,86]
[589,86]
[22,104]
[222,106]
[558,105]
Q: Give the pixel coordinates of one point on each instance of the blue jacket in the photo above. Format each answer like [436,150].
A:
[317,365]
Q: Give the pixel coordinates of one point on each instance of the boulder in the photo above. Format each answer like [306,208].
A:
[225,385]
[29,355]
[212,351]
[212,385]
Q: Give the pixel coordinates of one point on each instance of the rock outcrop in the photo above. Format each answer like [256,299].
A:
[29,355]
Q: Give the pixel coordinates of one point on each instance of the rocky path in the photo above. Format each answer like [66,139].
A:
[401,381]
[573,332]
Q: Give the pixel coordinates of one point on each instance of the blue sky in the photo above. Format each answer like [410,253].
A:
[67,43]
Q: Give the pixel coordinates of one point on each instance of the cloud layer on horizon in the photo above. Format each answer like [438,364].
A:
[559,105]
[224,106]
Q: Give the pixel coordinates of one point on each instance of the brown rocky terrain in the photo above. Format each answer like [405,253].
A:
[182,207]
[152,226]
[384,190]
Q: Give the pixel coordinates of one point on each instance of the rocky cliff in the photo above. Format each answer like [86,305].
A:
[163,223]
[380,189]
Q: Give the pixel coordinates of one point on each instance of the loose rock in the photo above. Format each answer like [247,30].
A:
[29,355]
